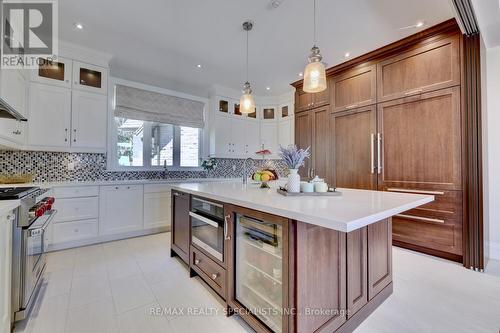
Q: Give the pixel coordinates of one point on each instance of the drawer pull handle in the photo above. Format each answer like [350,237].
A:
[215,276]
[391,189]
[419,218]
[413,92]
[351,106]
[197,261]
[226,233]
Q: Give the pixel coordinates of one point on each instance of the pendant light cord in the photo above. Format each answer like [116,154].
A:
[247,55]
[314,20]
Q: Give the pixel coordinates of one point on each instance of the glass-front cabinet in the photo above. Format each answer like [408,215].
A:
[258,279]
[53,72]
[89,77]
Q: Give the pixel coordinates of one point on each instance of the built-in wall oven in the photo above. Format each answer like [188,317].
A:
[28,258]
[207,226]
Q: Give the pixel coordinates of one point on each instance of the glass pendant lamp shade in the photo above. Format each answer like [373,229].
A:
[247,103]
[314,77]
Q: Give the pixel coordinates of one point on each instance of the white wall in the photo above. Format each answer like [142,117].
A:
[492,159]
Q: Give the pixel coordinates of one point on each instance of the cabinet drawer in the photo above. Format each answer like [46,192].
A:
[211,272]
[445,209]
[73,231]
[157,188]
[70,209]
[76,192]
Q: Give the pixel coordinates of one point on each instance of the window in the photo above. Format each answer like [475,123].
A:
[146,144]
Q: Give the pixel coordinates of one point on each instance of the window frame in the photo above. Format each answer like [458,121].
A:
[112,162]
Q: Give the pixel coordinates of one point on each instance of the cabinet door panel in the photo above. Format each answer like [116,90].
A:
[421,141]
[430,67]
[181,226]
[222,136]
[50,116]
[320,150]
[90,78]
[121,209]
[303,138]
[355,88]
[379,256]
[56,73]
[357,270]
[353,156]
[252,133]
[14,89]
[71,209]
[269,136]
[238,137]
[285,137]
[303,100]
[89,121]
[157,210]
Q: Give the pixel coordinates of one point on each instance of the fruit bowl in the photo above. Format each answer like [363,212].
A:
[264,176]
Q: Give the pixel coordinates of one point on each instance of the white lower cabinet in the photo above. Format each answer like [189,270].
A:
[71,209]
[120,209]
[6,224]
[65,232]
[157,210]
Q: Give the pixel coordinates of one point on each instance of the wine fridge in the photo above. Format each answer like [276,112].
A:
[260,275]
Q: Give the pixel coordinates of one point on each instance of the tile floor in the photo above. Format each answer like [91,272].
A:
[113,287]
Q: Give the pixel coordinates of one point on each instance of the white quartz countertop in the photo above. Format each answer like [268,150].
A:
[116,182]
[7,205]
[350,211]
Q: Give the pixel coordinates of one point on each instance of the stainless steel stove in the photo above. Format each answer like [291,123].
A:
[28,258]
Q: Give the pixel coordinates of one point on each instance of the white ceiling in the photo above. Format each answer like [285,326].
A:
[160,42]
[488,16]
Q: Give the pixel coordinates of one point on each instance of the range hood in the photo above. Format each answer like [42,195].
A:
[7,111]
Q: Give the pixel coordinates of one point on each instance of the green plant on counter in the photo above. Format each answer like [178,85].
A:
[209,164]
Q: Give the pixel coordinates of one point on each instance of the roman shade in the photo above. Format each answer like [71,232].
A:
[134,103]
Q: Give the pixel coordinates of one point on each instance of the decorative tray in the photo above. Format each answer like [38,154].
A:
[331,192]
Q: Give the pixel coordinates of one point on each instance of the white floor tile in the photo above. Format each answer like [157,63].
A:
[131,292]
[122,268]
[94,317]
[89,289]
[48,316]
[144,319]
[58,282]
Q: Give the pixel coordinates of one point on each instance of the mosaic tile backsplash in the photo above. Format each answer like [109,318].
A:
[51,166]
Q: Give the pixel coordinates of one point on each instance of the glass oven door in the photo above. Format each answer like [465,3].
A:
[208,234]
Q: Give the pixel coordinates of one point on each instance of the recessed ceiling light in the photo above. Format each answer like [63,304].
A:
[79,26]
[199,66]
[268,88]
[347,55]
[419,24]
[300,74]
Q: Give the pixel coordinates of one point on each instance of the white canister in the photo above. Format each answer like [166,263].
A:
[320,187]
[307,188]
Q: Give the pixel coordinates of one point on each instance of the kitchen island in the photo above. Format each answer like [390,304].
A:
[289,264]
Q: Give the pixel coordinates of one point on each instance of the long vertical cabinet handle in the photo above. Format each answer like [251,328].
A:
[372,153]
[379,155]
[226,234]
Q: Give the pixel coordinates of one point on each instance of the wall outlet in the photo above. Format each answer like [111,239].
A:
[71,166]
[234,167]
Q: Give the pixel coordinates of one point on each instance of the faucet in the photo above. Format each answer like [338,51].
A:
[245,178]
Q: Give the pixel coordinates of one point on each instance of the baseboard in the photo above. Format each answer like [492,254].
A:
[494,250]
[104,239]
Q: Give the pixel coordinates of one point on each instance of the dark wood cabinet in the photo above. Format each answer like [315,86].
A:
[320,148]
[181,229]
[353,156]
[379,256]
[303,139]
[421,141]
[433,66]
[357,270]
[354,89]
[307,101]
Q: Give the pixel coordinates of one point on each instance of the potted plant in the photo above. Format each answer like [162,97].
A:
[294,158]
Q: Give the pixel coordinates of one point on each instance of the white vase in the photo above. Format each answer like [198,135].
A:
[293,185]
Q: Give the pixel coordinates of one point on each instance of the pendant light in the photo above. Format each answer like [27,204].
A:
[315,72]
[247,103]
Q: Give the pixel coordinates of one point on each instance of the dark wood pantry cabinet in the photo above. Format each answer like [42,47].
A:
[396,120]
[181,226]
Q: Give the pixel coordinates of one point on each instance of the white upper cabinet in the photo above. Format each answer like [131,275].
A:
[120,209]
[90,78]
[269,113]
[89,121]
[13,131]
[14,89]
[269,137]
[285,132]
[221,136]
[56,73]
[49,122]
[252,135]
[238,137]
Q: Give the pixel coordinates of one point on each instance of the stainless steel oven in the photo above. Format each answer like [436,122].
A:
[28,258]
[207,226]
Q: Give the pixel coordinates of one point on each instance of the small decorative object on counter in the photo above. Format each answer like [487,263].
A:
[265,176]
[209,164]
[319,185]
[294,159]
[16,178]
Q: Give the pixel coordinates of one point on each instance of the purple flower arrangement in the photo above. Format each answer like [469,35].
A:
[293,156]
